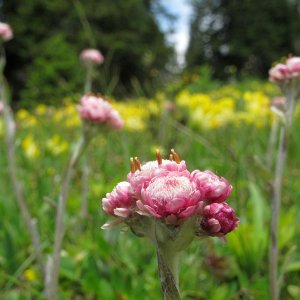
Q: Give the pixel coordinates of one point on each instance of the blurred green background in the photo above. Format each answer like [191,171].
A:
[212,107]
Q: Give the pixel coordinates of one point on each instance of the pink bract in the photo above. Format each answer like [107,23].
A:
[218,219]
[5,32]
[120,201]
[213,187]
[97,110]
[92,55]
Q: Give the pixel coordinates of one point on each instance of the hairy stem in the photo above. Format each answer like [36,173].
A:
[53,264]
[168,272]
[29,221]
[277,186]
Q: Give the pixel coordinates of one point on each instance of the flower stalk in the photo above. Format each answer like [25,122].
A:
[53,264]
[29,221]
[287,77]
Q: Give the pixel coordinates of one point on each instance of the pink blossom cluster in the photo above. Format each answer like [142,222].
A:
[166,190]
[6,32]
[286,72]
[92,56]
[97,110]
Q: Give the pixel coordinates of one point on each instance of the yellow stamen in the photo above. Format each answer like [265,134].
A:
[158,157]
[132,167]
[176,156]
[137,163]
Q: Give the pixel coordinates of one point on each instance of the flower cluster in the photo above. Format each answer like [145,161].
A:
[165,190]
[92,56]
[6,32]
[285,72]
[95,110]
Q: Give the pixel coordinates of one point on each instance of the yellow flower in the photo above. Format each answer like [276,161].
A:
[56,145]
[41,109]
[30,275]
[30,148]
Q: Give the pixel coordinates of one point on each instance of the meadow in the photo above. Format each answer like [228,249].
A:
[221,127]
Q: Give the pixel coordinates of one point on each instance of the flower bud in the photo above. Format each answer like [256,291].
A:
[218,219]
[212,187]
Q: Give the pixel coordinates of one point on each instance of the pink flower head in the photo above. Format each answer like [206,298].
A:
[279,73]
[1,107]
[120,201]
[166,190]
[146,172]
[170,195]
[5,32]
[218,219]
[92,56]
[97,110]
[293,65]
[115,120]
[213,187]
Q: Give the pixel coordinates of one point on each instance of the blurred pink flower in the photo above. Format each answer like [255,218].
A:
[97,110]
[6,32]
[287,71]
[92,55]
[293,65]
[213,187]
[120,201]
[279,102]
[218,219]
[1,107]
[278,72]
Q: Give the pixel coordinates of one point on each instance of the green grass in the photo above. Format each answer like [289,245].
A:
[115,264]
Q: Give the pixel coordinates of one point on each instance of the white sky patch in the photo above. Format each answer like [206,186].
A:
[180,37]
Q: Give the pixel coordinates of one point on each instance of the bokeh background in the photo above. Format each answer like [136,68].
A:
[190,75]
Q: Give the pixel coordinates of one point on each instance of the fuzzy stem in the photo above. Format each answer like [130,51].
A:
[291,91]
[29,221]
[51,282]
[88,78]
[272,142]
[277,186]
[84,188]
[168,272]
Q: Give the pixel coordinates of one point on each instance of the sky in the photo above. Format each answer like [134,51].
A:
[180,37]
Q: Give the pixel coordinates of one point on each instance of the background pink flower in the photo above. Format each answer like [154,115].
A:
[96,109]
[5,32]
[92,55]
[1,107]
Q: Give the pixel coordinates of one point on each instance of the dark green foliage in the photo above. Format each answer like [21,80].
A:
[43,58]
[248,35]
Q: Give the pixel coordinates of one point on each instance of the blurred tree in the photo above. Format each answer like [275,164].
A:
[43,58]
[245,35]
